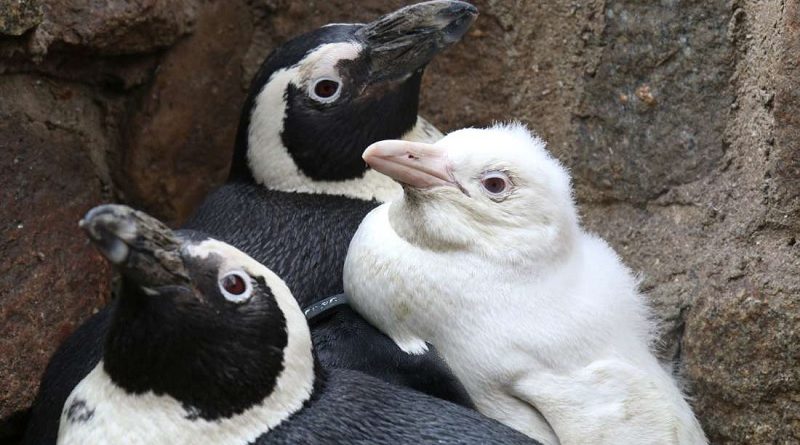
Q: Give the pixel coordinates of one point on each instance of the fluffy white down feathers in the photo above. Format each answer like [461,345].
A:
[540,320]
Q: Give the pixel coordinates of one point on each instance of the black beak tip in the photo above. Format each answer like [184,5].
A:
[461,15]
[107,226]
[464,8]
[144,249]
[102,216]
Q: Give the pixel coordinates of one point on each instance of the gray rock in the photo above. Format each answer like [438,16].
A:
[113,27]
[18,16]
[186,120]
[652,113]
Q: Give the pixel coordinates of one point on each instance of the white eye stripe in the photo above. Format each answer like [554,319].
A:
[236,286]
[319,89]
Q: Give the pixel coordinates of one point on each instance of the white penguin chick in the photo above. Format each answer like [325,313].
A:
[484,258]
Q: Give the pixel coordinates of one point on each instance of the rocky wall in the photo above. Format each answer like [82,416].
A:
[680,121]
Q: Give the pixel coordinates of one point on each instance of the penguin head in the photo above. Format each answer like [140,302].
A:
[196,319]
[319,99]
[497,190]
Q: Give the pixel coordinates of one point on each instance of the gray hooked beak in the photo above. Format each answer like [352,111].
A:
[406,40]
[416,164]
[142,247]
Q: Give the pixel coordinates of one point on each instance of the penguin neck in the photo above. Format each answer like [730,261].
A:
[424,224]
[99,411]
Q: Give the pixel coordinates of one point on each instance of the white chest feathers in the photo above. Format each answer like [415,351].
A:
[567,351]
[99,412]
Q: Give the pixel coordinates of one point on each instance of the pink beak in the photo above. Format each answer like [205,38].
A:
[416,164]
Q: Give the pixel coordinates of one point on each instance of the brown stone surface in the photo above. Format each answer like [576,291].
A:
[679,120]
[50,278]
[185,121]
[113,26]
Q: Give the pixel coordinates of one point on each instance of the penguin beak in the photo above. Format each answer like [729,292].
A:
[143,248]
[404,41]
[415,164]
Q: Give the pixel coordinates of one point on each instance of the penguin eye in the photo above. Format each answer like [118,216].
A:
[236,286]
[325,90]
[496,184]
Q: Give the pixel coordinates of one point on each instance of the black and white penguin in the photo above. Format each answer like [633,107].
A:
[298,188]
[208,346]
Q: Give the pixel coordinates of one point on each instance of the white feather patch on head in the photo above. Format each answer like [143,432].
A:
[98,411]
[269,160]
[322,61]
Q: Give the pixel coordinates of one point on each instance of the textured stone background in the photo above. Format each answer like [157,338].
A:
[680,121]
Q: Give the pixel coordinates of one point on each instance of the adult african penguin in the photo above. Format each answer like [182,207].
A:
[484,258]
[298,187]
[351,84]
[206,346]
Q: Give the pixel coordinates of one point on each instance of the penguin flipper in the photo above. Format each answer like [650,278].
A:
[409,343]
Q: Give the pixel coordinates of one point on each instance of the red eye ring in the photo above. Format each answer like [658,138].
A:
[235,286]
